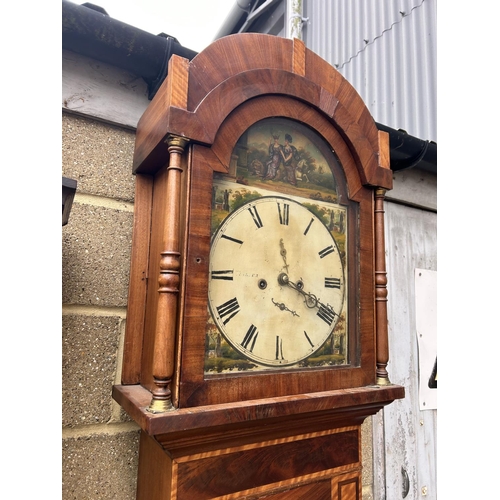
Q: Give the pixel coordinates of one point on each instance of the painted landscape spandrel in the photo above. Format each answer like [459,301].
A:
[280,156]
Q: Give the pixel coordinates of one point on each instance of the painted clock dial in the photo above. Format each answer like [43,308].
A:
[276,284]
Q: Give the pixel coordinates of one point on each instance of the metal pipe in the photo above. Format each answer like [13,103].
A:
[293,29]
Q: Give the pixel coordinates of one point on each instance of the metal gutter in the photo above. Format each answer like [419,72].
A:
[407,151]
[242,14]
[236,18]
[88,30]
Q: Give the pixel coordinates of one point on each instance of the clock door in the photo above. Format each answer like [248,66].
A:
[275,273]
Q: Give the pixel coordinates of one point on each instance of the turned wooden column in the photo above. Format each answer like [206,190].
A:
[168,285]
[382,335]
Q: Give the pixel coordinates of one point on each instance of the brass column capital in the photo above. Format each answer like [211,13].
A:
[177,141]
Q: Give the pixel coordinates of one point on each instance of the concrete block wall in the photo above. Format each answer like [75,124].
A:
[99,441]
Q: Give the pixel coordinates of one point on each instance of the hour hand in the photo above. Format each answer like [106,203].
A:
[282,306]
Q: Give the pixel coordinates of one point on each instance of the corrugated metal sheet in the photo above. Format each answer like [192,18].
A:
[387,50]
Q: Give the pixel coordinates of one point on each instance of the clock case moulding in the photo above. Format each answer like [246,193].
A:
[187,133]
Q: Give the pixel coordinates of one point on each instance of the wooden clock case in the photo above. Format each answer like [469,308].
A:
[278,434]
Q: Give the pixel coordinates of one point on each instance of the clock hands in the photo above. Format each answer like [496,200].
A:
[283,307]
[310,299]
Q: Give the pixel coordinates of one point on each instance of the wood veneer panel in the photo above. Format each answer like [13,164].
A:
[321,490]
[332,408]
[157,245]
[204,478]
[136,306]
[235,54]
[346,487]
[154,477]
[153,125]
[197,255]
[348,490]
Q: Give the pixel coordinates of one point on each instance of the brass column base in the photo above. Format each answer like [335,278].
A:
[160,406]
[383,381]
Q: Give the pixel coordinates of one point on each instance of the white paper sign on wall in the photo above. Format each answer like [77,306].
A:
[426,322]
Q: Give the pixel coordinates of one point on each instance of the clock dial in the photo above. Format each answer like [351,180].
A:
[276,282]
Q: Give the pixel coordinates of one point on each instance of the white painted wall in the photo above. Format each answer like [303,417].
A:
[102,92]
[404,436]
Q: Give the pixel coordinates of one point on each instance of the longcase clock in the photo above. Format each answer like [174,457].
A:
[256,340]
